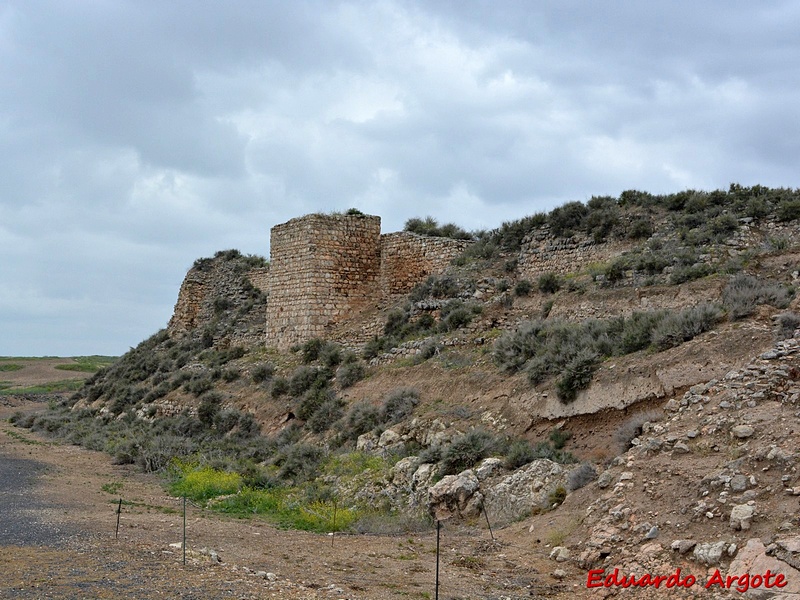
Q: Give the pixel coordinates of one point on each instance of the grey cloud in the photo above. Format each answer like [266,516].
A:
[138,136]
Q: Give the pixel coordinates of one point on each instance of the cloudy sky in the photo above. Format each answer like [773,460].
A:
[138,136]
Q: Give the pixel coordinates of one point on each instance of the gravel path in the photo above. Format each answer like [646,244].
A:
[22,512]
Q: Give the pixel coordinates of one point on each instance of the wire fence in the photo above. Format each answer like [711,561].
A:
[357,581]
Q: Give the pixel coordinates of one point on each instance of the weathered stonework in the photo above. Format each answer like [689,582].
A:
[542,253]
[408,258]
[323,269]
[214,287]
[328,273]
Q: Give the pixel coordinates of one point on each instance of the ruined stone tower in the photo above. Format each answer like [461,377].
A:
[323,268]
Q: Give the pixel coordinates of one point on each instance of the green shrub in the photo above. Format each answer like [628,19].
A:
[262,372]
[549,283]
[580,476]
[788,210]
[638,329]
[683,274]
[311,349]
[676,328]
[312,399]
[305,378]
[376,346]
[436,286]
[230,374]
[350,373]
[576,375]
[201,483]
[300,462]
[209,407]
[429,226]
[745,292]
[199,384]
[510,234]
[566,219]
[468,449]
[428,351]
[280,387]
[156,453]
[361,418]
[601,218]
[399,404]
[615,270]
[787,323]
[640,229]
[559,438]
[456,314]
[326,415]
[523,288]
[519,454]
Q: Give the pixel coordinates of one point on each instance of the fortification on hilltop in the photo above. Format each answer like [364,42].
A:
[326,269]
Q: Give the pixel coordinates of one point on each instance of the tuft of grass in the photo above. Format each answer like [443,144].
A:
[9,367]
[285,509]
[112,488]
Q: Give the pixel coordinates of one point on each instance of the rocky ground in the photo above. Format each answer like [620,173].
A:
[710,487]
[63,543]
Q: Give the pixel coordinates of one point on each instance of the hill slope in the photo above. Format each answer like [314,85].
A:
[608,374]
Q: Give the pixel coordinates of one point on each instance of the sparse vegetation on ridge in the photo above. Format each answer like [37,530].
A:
[201,395]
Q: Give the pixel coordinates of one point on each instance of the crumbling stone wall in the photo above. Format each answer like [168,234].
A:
[221,288]
[323,270]
[543,253]
[409,258]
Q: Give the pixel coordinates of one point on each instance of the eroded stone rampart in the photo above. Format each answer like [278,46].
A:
[544,253]
[409,258]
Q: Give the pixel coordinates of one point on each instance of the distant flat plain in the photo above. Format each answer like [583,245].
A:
[48,374]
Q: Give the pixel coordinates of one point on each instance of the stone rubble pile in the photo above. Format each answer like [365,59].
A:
[744,433]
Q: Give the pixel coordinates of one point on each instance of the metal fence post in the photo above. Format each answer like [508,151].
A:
[438,529]
[119,512]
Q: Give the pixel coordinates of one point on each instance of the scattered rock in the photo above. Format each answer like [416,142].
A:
[560,554]
[741,515]
[753,558]
[742,431]
[683,546]
[738,483]
[680,448]
[709,554]
[450,496]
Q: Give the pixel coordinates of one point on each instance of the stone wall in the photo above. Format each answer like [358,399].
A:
[323,270]
[259,277]
[408,259]
[543,253]
[218,290]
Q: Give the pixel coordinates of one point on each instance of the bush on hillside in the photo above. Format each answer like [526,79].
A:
[467,450]
[745,292]
[549,283]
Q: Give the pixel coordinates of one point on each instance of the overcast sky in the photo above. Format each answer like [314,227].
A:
[138,136]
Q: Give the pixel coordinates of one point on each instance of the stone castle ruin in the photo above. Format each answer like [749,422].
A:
[327,269]
[329,275]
